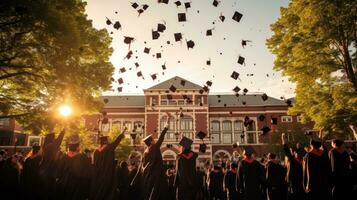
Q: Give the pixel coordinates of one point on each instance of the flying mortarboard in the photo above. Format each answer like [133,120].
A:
[108,22]
[161,27]
[120,81]
[265,97]
[140,11]
[128,40]
[117,25]
[120,89]
[201,135]
[201,91]
[215,3]
[247,121]
[183,82]
[265,130]
[186,142]
[261,117]
[209,83]
[134,5]
[208,62]
[128,56]
[241,60]
[205,88]
[245,90]
[163,67]
[172,88]
[146,50]
[187,5]
[137,65]
[235,75]
[190,44]
[181,17]
[145,6]
[122,70]
[155,34]
[237,16]
[153,76]
[222,18]
[236,89]
[209,32]
[178,37]
[164,1]
[178,3]
[139,74]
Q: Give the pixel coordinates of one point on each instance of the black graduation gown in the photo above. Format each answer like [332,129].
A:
[123,182]
[340,174]
[11,180]
[104,181]
[275,177]
[153,171]
[354,178]
[171,191]
[316,173]
[48,167]
[202,192]
[215,184]
[186,180]
[74,173]
[30,178]
[135,188]
[250,180]
[230,185]
[294,176]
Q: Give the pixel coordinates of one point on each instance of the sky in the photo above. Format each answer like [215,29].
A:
[223,48]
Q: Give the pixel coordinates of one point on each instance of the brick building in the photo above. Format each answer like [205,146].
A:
[221,117]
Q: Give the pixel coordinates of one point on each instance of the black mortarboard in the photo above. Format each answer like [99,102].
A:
[237,16]
[153,76]
[190,44]
[105,100]
[158,55]
[183,82]
[187,5]
[181,17]
[241,60]
[164,1]
[209,32]
[201,135]
[208,62]
[128,56]
[122,70]
[265,130]
[117,25]
[161,27]
[209,83]
[108,21]
[247,121]
[120,81]
[236,89]
[243,102]
[215,3]
[265,97]
[245,90]
[202,148]
[134,5]
[172,88]
[155,34]
[222,18]
[205,88]
[178,37]
[147,140]
[186,142]
[288,102]
[274,120]
[163,67]
[128,40]
[146,50]
[178,3]
[169,96]
[145,6]
[120,89]
[235,75]
[139,74]
[136,64]
[140,11]
[261,117]
[201,91]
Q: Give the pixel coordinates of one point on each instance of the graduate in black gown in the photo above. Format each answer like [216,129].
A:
[29,177]
[275,177]
[353,158]
[170,180]
[250,177]
[74,173]
[340,168]
[123,180]
[230,182]
[49,164]
[153,168]
[215,183]
[136,182]
[104,181]
[10,177]
[294,171]
[186,180]
[316,172]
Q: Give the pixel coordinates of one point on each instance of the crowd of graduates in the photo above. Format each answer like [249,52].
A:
[310,173]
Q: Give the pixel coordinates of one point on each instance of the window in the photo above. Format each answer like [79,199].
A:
[116,125]
[128,125]
[186,124]
[154,102]
[164,102]
[170,135]
[138,126]
[5,122]
[251,134]
[227,132]
[172,102]
[215,132]
[286,119]
[239,131]
[215,138]
[299,119]
[181,102]
[215,126]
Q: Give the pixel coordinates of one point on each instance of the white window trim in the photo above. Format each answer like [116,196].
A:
[286,119]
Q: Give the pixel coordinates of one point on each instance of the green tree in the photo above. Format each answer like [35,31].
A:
[125,147]
[50,53]
[87,140]
[315,45]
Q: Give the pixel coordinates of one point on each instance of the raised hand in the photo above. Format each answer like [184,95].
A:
[283,139]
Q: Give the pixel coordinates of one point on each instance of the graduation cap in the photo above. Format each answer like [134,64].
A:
[187,5]
[139,74]
[181,17]
[235,75]
[120,81]
[108,21]
[288,102]
[247,121]
[274,120]
[105,100]
[241,60]
[128,40]
[237,16]
[209,83]
[147,140]
[146,50]
[172,88]
[117,25]
[205,88]
[190,44]
[134,5]
[208,62]
[120,89]
[245,90]
[236,89]
[261,117]
[155,34]
[178,3]
[244,42]
[163,67]
[265,130]
[122,70]
[202,148]
[209,32]
[169,96]
[183,82]
[140,11]
[185,142]
[137,65]
[201,135]
[222,18]
[153,76]
[215,3]
[164,1]
[265,97]
[145,6]
[161,27]
[178,37]
[128,56]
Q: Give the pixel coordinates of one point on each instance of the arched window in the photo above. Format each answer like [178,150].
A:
[170,135]
[251,134]
[128,125]
[227,132]
[215,132]
[239,131]
[116,125]
[186,126]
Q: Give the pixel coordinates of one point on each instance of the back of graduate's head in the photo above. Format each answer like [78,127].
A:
[336,143]
[272,156]
[234,165]
[73,147]
[103,140]
[35,148]
[315,142]
[49,138]
[148,140]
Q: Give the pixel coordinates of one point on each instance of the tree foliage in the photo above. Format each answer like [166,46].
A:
[124,149]
[50,53]
[315,45]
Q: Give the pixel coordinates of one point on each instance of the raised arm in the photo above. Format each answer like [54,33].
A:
[58,140]
[118,139]
[163,132]
[286,149]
